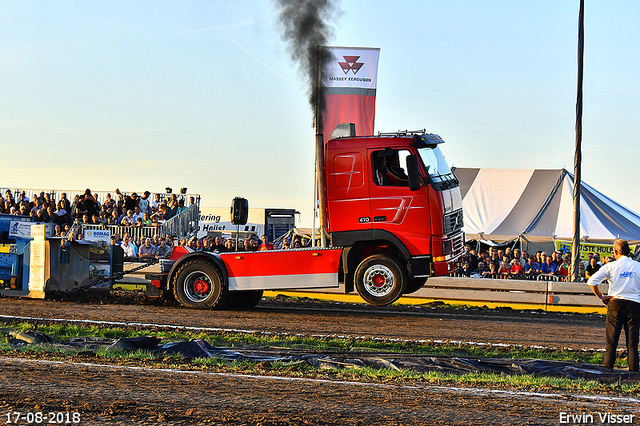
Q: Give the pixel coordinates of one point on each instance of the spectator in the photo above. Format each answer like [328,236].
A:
[147,251]
[564,267]
[181,207]
[146,220]
[163,251]
[548,267]
[592,268]
[505,268]
[109,202]
[516,268]
[173,205]
[137,213]
[90,204]
[266,245]
[144,203]
[66,203]
[518,257]
[492,272]
[131,201]
[482,268]
[155,204]
[129,248]
[128,220]
[532,268]
[219,245]
[466,269]
[469,256]
[60,216]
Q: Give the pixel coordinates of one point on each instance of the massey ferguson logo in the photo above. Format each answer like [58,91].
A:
[350,64]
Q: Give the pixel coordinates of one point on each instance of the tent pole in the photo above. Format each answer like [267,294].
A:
[577,176]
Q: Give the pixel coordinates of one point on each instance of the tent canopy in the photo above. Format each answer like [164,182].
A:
[536,207]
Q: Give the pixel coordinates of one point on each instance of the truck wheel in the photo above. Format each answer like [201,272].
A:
[415,284]
[380,280]
[198,284]
[245,299]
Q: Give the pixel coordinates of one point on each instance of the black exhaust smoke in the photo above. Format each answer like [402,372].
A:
[306,26]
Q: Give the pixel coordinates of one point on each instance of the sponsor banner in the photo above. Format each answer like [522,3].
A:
[21,229]
[349,84]
[352,67]
[603,250]
[96,235]
[218,219]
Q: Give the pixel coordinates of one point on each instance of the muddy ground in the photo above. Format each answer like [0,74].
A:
[151,396]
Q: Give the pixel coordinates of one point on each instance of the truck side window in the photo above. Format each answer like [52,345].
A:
[390,167]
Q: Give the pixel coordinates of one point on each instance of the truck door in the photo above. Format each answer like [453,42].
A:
[394,207]
[348,192]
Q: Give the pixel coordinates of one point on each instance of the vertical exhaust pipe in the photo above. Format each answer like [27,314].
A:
[320,186]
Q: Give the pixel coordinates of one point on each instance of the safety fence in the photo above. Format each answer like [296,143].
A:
[539,277]
[182,225]
[542,293]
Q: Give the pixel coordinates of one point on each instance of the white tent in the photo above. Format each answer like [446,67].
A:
[536,208]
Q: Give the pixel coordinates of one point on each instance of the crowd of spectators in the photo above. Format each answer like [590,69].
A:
[121,209]
[508,263]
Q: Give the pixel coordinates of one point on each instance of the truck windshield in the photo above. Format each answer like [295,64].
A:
[436,165]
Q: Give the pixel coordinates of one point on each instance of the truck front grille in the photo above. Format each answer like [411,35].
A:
[452,222]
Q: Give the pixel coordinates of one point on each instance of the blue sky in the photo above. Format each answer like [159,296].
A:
[146,94]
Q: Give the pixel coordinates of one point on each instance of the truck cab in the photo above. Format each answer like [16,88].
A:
[392,195]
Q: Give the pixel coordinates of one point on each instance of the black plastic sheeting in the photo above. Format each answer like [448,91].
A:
[410,362]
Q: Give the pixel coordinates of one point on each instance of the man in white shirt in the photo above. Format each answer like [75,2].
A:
[623,302]
[129,248]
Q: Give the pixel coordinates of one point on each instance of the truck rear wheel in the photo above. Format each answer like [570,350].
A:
[380,280]
[198,284]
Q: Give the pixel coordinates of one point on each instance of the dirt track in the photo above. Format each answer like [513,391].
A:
[527,328]
[121,395]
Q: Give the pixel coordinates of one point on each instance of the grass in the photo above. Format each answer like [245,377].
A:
[62,332]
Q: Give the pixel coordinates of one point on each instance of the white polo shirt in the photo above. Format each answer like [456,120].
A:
[623,276]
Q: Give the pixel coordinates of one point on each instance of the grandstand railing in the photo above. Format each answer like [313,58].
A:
[182,225]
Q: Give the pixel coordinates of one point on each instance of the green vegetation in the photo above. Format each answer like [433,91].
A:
[355,347]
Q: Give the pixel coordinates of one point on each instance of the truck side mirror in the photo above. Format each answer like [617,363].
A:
[413,170]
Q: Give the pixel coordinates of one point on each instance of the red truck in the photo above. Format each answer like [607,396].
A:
[392,209]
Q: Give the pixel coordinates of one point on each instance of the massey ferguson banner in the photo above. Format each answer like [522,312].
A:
[349,82]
